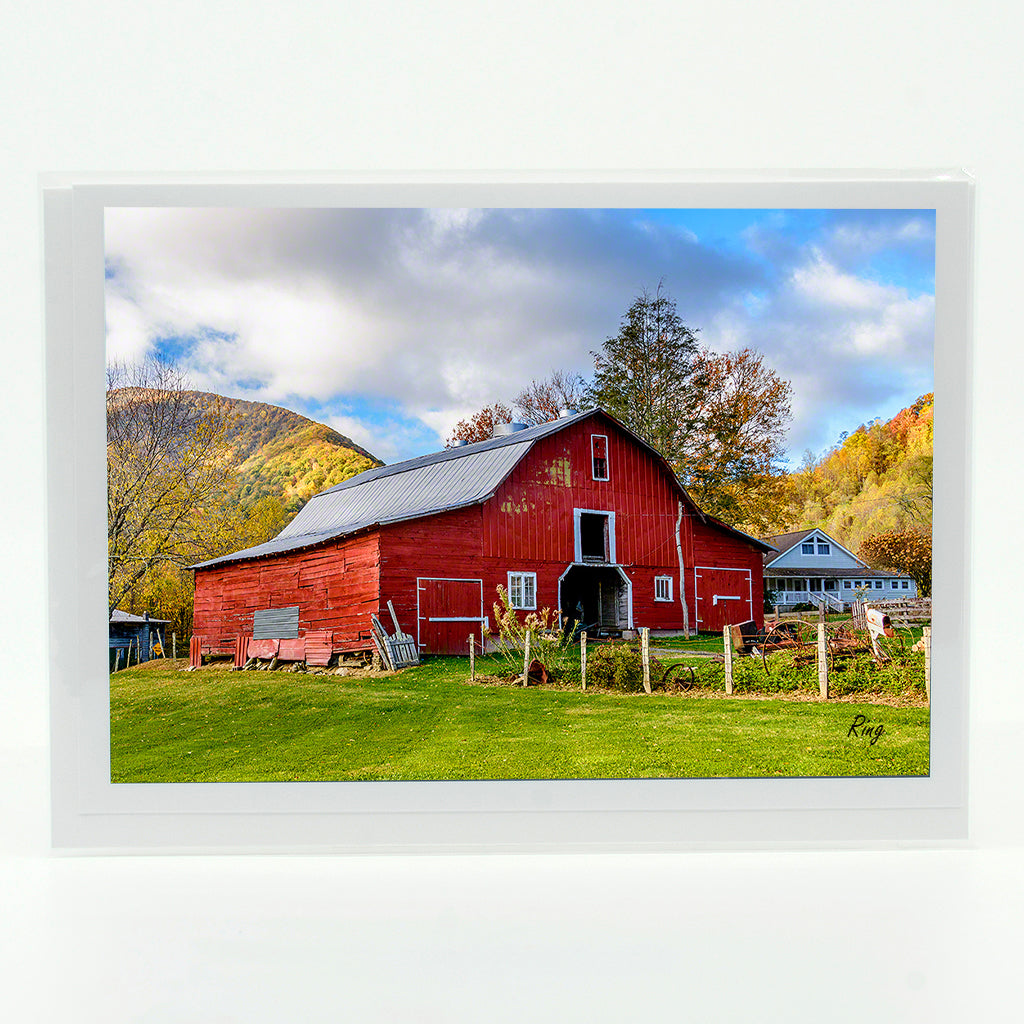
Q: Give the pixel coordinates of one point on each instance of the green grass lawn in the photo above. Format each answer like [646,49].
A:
[429,722]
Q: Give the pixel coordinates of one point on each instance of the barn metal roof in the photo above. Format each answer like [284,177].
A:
[438,482]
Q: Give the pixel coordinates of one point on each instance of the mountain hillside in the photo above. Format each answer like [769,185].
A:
[876,479]
[279,454]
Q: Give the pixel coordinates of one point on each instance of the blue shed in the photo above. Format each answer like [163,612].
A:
[140,631]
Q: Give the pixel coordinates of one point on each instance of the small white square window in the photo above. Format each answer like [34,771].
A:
[878,584]
[847,584]
[522,590]
[662,588]
[906,584]
[895,584]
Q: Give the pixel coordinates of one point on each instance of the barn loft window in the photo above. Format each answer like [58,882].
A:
[662,588]
[522,590]
[594,537]
[599,456]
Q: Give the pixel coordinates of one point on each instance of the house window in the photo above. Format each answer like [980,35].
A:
[830,585]
[847,584]
[662,588]
[807,548]
[599,456]
[895,584]
[878,584]
[522,590]
[823,548]
[906,585]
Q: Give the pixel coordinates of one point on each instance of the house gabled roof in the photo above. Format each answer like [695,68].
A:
[427,485]
[784,542]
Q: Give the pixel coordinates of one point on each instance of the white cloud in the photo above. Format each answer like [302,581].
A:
[436,313]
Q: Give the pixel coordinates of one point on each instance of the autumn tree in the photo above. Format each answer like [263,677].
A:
[479,426]
[544,400]
[908,552]
[731,455]
[643,375]
[167,471]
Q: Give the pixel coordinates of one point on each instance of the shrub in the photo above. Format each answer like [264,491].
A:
[618,666]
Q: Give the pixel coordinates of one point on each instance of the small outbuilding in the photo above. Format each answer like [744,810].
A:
[578,515]
[134,636]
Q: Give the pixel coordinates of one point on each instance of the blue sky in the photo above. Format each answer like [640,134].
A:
[392,324]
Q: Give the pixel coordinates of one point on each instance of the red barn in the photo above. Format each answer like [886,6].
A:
[578,514]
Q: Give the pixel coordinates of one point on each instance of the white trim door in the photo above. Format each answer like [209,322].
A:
[444,607]
[720,599]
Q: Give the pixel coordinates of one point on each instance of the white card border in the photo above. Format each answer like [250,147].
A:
[90,813]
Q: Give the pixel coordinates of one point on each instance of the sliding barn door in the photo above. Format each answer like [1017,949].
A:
[449,610]
[723,597]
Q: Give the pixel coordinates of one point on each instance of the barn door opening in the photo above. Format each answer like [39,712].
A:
[599,597]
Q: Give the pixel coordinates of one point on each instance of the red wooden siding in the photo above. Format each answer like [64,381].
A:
[335,587]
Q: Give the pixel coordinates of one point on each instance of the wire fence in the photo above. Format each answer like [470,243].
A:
[826,660]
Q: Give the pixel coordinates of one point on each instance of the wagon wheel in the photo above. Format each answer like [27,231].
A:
[677,671]
[791,633]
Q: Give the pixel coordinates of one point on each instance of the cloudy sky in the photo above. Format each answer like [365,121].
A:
[392,324]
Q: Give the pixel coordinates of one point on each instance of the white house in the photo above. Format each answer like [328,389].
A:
[810,567]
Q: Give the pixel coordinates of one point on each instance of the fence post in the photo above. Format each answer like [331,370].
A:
[526,660]
[583,658]
[117,658]
[822,662]
[727,646]
[645,654]
[174,645]
[926,635]
[472,659]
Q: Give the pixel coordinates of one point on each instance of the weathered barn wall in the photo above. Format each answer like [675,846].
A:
[334,586]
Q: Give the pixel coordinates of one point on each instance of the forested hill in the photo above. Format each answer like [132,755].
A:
[279,454]
[876,479]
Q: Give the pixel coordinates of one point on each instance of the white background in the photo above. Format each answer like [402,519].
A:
[772,935]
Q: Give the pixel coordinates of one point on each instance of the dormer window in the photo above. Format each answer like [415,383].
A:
[599,456]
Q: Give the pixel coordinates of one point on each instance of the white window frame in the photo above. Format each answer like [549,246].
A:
[807,544]
[522,577]
[578,542]
[823,544]
[894,585]
[607,459]
[878,584]
[847,584]
[906,585]
[667,580]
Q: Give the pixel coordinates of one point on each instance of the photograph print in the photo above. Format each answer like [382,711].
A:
[518,493]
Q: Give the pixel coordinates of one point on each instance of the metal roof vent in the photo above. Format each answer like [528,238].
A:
[504,429]
[564,414]
[460,442]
